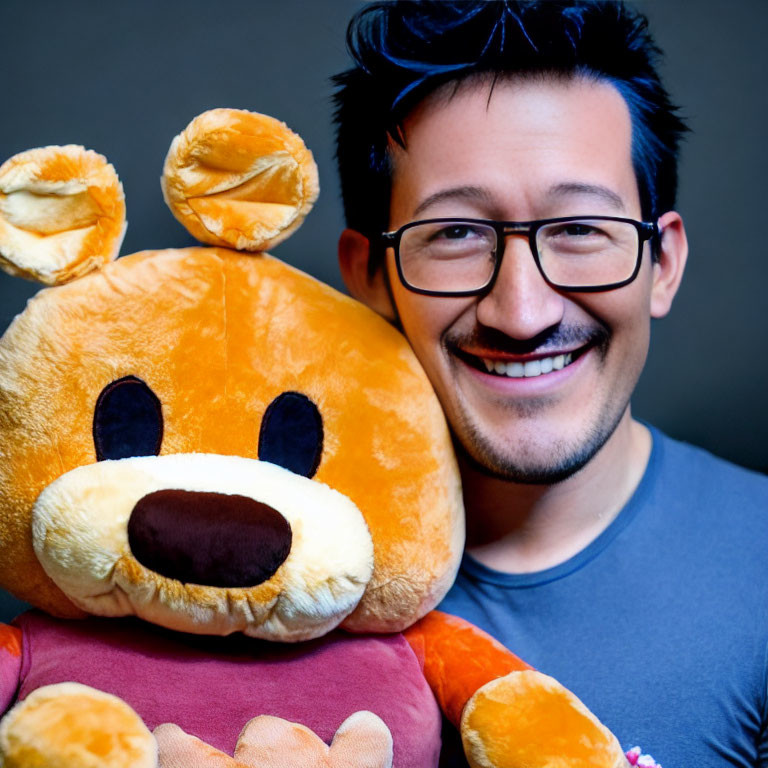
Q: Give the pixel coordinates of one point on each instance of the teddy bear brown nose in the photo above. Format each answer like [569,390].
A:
[213,539]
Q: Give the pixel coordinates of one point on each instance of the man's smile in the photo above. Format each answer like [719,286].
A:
[530,368]
[517,367]
[505,358]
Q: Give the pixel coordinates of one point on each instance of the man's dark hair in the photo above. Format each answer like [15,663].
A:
[404,50]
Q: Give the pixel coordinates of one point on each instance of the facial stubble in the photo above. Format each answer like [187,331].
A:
[564,459]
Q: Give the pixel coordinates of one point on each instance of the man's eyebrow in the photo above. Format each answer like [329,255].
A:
[580,188]
[477,194]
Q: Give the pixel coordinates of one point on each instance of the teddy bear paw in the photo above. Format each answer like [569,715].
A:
[529,719]
[362,741]
[69,725]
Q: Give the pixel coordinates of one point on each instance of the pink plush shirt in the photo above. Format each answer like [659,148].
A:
[212,686]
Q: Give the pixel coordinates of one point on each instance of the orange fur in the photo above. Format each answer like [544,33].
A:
[458,659]
[144,315]
[529,719]
[239,179]
[62,213]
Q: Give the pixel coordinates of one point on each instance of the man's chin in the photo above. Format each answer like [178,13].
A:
[533,465]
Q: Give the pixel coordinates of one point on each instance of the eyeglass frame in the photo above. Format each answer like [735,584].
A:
[646,230]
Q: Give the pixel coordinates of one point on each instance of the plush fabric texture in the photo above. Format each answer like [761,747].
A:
[143,316]
[107,733]
[62,213]
[211,687]
[458,659]
[362,741]
[527,718]
[10,664]
[80,535]
[239,179]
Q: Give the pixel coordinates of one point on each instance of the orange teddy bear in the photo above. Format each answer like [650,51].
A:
[210,465]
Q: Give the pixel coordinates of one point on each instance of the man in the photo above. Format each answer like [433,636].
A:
[538,135]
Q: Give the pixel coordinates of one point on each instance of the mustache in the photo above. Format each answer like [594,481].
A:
[549,340]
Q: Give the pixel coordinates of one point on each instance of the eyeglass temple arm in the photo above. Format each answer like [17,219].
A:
[388,238]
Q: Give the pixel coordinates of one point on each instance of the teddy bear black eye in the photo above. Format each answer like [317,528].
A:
[127,420]
[292,434]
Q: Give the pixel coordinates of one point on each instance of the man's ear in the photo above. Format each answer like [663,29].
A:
[670,265]
[371,289]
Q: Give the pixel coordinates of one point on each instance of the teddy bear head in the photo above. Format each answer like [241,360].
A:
[206,438]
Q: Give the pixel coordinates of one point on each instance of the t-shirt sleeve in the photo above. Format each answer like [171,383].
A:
[10,665]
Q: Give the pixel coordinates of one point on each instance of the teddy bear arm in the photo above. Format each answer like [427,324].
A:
[10,664]
[458,658]
[509,715]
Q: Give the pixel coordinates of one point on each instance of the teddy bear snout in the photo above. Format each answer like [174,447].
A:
[181,540]
[216,539]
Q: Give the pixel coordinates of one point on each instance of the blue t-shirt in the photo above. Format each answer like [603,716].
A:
[660,625]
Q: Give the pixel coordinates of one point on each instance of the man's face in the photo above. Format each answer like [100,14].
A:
[529,150]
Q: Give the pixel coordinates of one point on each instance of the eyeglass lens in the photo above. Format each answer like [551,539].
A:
[460,256]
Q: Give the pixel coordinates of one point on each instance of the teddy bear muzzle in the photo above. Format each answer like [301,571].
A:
[204,543]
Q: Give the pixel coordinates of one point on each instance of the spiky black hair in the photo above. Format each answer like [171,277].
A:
[405,49]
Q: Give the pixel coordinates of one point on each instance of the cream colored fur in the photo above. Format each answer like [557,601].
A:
[54,228]
[80,537]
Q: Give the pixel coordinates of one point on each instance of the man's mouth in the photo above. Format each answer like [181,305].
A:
[523,369]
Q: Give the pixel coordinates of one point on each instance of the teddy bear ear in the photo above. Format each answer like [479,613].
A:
[239,179]
[62,213]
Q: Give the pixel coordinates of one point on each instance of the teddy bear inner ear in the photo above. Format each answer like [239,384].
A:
[239,179]
[62,213]
[291,434]
[127,420]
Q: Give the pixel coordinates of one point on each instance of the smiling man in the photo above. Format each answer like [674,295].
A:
[509,174]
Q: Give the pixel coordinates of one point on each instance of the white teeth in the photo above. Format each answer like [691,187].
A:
[530,369]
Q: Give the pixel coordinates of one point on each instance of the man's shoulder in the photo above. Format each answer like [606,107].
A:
[716,507]
[699,471]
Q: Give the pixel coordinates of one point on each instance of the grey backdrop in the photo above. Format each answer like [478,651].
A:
[123,78]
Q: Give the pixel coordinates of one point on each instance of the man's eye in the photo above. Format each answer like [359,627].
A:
[456,232]
[576,229]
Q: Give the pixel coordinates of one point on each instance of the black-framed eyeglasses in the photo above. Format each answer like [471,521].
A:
[461,257]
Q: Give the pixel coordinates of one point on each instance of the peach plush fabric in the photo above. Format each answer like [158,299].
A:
[62,213]
[362,741]
[239,179]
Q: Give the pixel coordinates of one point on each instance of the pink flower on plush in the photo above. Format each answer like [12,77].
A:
[636,757]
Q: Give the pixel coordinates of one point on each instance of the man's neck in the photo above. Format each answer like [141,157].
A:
[519,528]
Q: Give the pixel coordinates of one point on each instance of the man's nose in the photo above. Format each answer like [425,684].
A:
[521,303]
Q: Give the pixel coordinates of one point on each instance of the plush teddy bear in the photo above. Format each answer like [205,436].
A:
[231,494]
